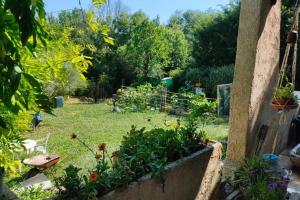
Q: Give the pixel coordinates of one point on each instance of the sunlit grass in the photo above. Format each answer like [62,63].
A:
[95,124]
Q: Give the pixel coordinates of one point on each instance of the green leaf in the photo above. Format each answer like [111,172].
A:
[33,81]
[77,59]
[109,40]
[92,23]
[13,100]
[98,3]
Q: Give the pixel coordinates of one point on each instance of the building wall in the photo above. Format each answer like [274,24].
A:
[255,78]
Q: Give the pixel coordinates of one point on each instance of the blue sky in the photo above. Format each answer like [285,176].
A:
[163,8]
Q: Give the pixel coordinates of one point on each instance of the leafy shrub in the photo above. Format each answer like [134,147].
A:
[141,152]
[258,181]
[132,99]
[22,122]
[72,83]
[200,105]
[34,194]
[9,140]
[70,185]
[211,77]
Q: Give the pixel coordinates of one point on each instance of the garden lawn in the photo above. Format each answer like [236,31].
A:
[95,124]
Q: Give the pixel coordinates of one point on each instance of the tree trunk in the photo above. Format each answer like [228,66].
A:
[96,91]
[1,181]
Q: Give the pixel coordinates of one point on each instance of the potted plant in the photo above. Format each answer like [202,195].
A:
[256,179]
[284,98]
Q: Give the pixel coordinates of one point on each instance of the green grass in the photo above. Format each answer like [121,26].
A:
[95,124]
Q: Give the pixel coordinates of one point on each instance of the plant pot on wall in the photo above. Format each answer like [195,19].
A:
[284,103]
[284,98]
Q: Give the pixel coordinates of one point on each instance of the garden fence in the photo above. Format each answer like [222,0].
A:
[166,101]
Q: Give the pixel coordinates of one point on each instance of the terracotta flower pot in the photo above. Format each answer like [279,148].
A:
[283,103]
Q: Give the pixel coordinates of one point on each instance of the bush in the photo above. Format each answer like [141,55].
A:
[73,83]
[134,100]
[70,185]
[210,77]
[34,194]
[200,105]
[256,179]
[22,122]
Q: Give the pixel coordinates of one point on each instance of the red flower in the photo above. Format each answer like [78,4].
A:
[102,147]
[94,177]
[98,156]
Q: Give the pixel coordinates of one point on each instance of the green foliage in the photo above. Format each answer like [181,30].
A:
[201,106]
[21,122]
[70,185]
[134,100]
[34,194]
[54,64]
[9,141]
[215,44]
[286,92]
[18,89]
[210,77]
[258,181]
[147,50]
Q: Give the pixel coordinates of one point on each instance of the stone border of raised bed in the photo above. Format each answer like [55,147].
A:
[194,177]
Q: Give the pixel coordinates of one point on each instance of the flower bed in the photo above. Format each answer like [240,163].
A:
[173,157]
[193,177]
[261,180]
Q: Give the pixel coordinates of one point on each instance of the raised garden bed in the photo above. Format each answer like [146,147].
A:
[193,177]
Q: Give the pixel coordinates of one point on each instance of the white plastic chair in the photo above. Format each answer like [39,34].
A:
[41,146]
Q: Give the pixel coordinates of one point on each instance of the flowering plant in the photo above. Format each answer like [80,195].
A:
[258,181]
[141,152]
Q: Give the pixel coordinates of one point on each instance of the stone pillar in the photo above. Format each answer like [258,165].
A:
[256,72]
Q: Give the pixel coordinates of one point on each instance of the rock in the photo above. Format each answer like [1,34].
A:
[117,109]
[6,194]
[39,180]
[177,111]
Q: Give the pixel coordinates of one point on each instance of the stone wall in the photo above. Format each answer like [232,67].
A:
[194,177]
[255,78]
